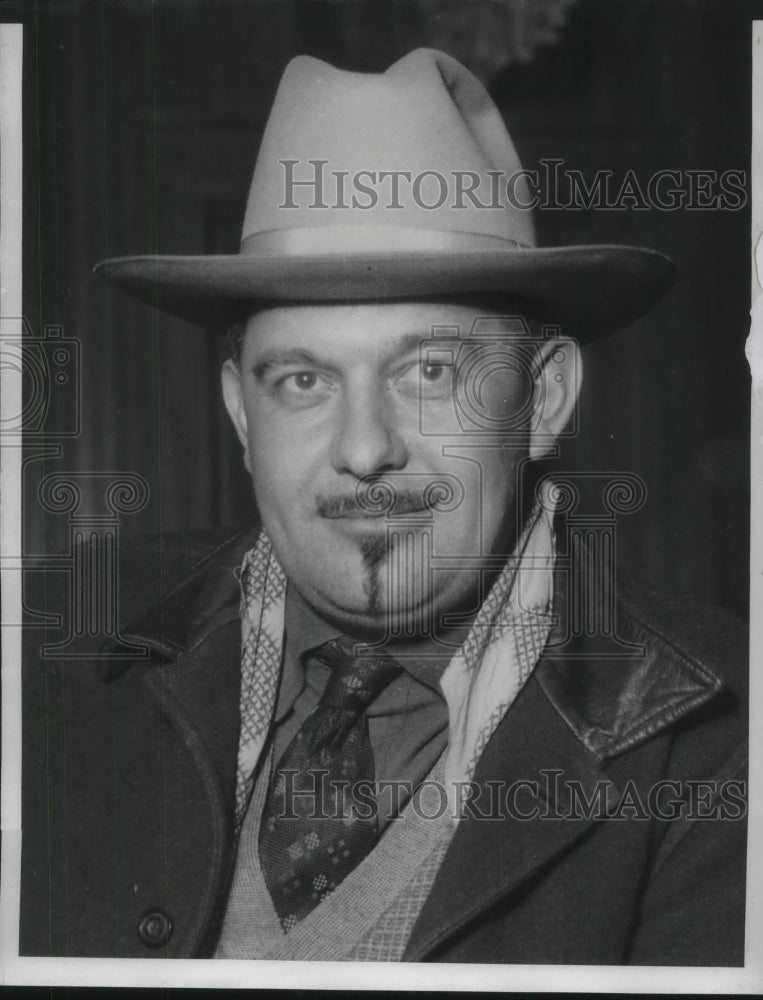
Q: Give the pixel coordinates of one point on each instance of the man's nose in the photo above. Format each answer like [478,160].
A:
[367,438]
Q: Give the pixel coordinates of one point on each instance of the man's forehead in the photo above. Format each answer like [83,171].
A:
[424,318]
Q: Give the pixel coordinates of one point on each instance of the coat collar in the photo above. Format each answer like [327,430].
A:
[203,600]
[620,682]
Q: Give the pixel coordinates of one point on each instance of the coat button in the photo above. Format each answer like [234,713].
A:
[155,928]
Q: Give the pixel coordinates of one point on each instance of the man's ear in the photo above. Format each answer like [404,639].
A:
[556,392]
[233,396]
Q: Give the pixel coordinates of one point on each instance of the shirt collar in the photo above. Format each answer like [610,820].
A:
[304,630]
[424,659]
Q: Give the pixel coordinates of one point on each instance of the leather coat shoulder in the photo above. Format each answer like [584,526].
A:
[659,658]
[189,579]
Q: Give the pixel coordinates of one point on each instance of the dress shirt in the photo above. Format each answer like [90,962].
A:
[407,722]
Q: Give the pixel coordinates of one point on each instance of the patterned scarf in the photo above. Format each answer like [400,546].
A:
[480,683]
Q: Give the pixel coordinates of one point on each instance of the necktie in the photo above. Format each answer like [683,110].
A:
[311,837]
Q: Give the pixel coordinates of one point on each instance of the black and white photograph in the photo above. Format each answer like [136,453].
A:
[381,450]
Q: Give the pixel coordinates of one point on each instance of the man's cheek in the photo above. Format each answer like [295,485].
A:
[279,488]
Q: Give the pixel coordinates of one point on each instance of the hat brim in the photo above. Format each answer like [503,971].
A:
[598,288]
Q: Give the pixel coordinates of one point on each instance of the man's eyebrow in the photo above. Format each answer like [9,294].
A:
[302,356]
[285,356]
[409,341]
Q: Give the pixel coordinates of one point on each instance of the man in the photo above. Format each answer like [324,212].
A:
[403,719]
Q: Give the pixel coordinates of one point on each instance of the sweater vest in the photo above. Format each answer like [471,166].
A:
[370,915]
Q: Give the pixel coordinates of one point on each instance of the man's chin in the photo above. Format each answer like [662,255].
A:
[377,619]
[367,584]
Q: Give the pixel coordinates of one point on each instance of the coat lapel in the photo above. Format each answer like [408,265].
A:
[489,858]
[578,710]
[199,693]
[196,635]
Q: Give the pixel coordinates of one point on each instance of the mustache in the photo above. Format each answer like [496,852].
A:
[382,497]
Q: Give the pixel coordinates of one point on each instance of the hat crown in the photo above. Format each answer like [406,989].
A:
[403,184]
[396,159]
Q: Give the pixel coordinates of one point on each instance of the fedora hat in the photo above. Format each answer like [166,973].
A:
[403,184]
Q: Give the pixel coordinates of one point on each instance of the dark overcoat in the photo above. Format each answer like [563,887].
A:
[129,775]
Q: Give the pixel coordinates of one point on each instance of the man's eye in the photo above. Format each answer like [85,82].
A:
[427,379]
[435,372]
[304,388]
[302,381]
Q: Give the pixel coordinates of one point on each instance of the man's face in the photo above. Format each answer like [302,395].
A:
[385,461]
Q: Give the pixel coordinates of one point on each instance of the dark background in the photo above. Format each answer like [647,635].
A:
[142,123]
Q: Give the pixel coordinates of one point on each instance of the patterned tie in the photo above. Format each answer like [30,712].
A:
[311,842]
